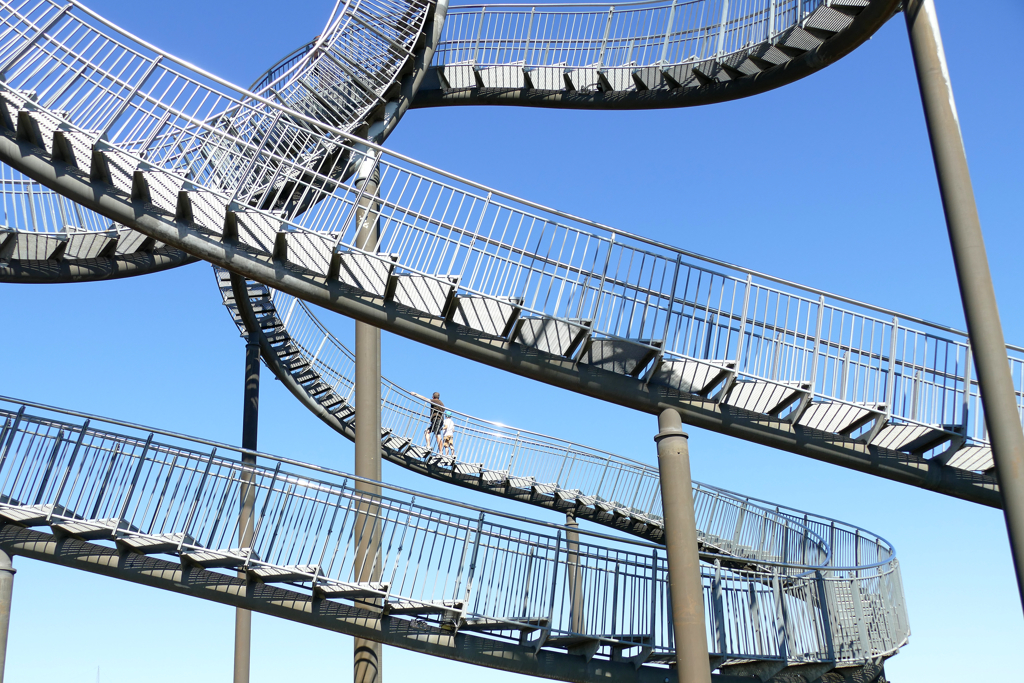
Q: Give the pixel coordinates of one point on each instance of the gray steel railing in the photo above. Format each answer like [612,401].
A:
[725,519]
[439,560]
[30,207]
[612,36]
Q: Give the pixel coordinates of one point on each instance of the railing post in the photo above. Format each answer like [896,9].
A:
[67,470]
[668,32]
[479,31]
[54,452]
[554,585]
[965,414]
[10,436]
[681,548]
[472,562]
[716,592]
[135,479]
[858,614]
[781,618]
[604,41]
[825,615]
[721,29]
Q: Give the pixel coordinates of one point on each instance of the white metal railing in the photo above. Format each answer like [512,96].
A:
[465,562]
[728,520]
[609,36]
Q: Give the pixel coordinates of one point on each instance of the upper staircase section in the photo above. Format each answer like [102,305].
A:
[635,55]
[358,76]
[280,197]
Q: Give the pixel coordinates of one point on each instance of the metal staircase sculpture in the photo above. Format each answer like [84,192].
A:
[453,580]
[483,274]
[261,183]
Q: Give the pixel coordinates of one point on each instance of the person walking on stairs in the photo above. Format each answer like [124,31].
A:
[433,431]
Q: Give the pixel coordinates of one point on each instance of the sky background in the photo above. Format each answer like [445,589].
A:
[828,182]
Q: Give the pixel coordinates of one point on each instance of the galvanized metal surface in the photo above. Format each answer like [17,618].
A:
[442,562]
[676,327]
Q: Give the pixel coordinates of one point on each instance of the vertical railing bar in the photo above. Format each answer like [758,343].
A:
[67,470]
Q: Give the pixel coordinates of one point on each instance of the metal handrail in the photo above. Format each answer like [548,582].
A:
[137,488]
[406,415]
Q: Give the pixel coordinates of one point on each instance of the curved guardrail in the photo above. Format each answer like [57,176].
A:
[657,53]
[485,574]
[48,238]
[591,484]
[347,77]
[486,275]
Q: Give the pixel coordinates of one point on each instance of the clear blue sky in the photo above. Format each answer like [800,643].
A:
[828,182]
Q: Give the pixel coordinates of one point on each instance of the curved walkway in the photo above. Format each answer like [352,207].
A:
[512,584]
[602,487]
[640,55]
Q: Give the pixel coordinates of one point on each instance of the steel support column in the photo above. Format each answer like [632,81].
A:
[576,606]
[685,587]
[250,426]
[367,653]
[6,591]
[975,280]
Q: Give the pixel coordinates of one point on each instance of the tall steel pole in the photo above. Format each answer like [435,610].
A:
[6,592]
[572,537]
[367,653]
[250,428]
[979,299]
[685,588]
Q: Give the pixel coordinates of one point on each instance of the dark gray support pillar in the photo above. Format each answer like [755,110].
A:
[250,428]
[979,300]
[6,591]
[367,653]
[681,549]
[576,607]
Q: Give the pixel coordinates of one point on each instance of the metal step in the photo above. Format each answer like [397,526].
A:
[494,317]
[422,608]
[422,293]
[292,573]
[838,418]
[154,544]
[330,588]
[910,437]
[621,356]
[556,337]
[973,458]
[767,398]
[32,515]
[89,530]
[212,559]
[690,376]
[527,625]
[364,272]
